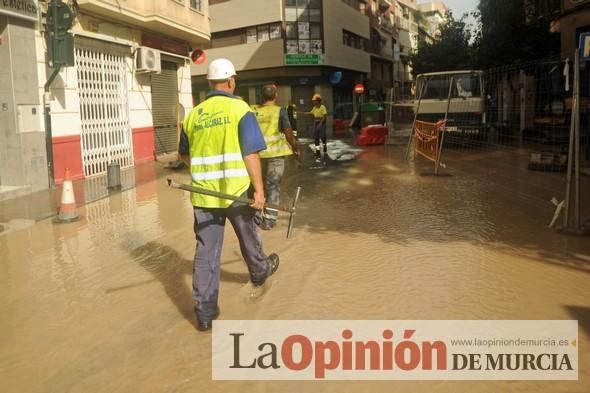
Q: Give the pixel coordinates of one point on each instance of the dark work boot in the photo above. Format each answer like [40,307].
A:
[206,324]
[273,264]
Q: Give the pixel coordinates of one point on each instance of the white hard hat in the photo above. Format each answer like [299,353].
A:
[220,69]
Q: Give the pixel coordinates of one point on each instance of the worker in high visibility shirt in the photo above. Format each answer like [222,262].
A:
[280,143]
[319,113]
[220,142]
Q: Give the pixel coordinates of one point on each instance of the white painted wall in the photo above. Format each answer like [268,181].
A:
[185,97]
[140,102]
[65,104]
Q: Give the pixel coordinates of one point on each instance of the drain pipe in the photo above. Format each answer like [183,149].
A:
[48,131]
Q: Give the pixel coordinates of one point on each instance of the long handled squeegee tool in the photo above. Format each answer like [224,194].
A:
[248,201]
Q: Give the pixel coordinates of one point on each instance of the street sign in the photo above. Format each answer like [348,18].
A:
[293,59]
[60,42]
[359,88]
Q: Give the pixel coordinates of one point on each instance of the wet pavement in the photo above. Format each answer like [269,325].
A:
[104,304]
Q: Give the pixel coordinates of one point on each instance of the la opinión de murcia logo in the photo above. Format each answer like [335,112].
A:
[395,350]
[298,353]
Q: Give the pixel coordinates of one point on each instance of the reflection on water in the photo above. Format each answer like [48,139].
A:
[104,304]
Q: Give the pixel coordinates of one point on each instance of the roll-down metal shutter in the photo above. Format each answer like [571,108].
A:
[165,107]
[105,135]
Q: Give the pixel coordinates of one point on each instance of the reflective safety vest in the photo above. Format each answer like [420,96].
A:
[276,141]
[216,158]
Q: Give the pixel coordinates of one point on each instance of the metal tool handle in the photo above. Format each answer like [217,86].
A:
[221,195]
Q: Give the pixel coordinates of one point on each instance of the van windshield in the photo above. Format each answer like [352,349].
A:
[437,86]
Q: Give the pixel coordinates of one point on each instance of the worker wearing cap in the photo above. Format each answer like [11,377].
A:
[319,113]
[220,142]
[280,143]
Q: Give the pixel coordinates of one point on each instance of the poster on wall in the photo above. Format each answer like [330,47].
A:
[292,47]
[303,29]
[304,47]
[316,47]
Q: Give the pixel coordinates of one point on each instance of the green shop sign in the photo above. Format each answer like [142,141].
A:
[304,59]
[25,9]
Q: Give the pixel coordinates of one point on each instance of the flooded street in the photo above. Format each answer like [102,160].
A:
[104,304]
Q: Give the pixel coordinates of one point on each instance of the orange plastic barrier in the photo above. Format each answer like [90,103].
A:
[427,137]
[372,135]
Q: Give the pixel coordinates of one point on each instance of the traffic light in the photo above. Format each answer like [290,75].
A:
[60,42]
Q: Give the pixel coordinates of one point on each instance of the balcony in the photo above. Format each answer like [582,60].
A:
[402,23]
[173,18]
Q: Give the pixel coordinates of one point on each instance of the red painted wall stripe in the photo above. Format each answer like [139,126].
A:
[143,144]
[67,153]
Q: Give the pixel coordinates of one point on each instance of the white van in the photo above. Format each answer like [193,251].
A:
[467,116]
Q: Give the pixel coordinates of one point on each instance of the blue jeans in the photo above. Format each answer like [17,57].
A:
[272,173]
[209,229]
[319,132]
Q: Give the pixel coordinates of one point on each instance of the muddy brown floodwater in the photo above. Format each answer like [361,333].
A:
[104,304]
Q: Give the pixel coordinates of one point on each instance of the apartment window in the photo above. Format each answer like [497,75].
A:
[263,33]
[303,30]
[303,27]
[352,40]
[196,5]
[315,31]
[356,4]
[315,15]
[291,14]
[406,12]
[276,31]
[291,30]
[251,35]
[303,14]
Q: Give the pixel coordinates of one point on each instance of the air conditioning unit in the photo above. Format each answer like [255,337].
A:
[148,60]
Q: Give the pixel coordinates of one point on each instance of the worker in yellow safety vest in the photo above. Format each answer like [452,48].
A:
[319,113]
[220,142]
[280,143]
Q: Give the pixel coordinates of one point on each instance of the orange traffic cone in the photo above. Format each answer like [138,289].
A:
[67,210]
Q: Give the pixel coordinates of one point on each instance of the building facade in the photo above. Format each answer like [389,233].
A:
[434,14]
[23,164]
[570,18]
[121,101]
[127,93]
[304,46]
